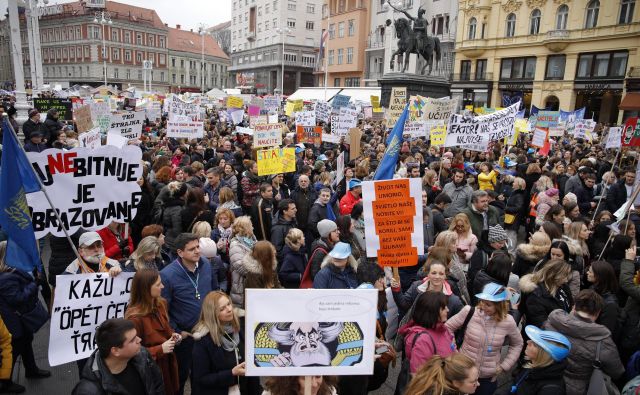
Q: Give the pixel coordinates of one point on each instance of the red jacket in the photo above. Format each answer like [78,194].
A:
[111,247]
[347,202]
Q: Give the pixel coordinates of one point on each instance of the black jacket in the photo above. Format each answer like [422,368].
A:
[304,199]
[316,257]
[279,231]
[317,213]
[51,129]
[18,293]
[29,127]
[515,205]
[585,197]
[541,381]
[265,207]
[617,196]
[537,303]
[96,379]
[293,266]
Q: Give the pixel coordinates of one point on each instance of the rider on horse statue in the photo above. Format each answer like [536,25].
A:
[420,25]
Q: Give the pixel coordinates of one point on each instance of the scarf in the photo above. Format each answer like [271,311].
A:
[224,233]
[446,287]
[230,339]
[247,241]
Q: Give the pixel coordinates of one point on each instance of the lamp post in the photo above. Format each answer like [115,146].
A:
[202,32]
[104,18]
[283,31]
[33,35]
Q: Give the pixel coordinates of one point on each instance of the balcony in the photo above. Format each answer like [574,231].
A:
[473,77]
[557,40]
[374,43]
[251,36]
[373,75]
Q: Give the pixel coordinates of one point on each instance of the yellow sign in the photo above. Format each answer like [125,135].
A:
[297,105]
[375,101]
[276,160]
[234,102]
[292,107]
[438,135]
[479,110]
[520,126]
[469,107]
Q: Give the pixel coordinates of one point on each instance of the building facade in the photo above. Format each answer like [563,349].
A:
[265,34]
[553,54]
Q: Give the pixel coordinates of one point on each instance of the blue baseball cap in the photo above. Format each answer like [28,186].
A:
[493,292]
[354,182]
[340,251]
[322,157]
[547,341]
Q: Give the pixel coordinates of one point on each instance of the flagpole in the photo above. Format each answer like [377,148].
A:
[326,54]
[46,195]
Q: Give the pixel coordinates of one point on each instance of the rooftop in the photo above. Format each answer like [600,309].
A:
[189,41]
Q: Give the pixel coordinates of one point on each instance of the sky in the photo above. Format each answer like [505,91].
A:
[187,13]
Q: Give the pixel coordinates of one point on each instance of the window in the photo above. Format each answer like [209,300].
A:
[592,14]
[182,78]
[350,55]
[626,11]
[332,31]
[534,24]
[266,26]
[481,69]
[266,8]
[518,68]
[561,17]
[161,59]
[472,29]
[309,25]
[352,27]
[138,38]
[115,54]
[275,5]
[291,6]
[340,55]
[115,73]
[127,56]
[336,82]
[555,67]
[94,32]
[465,70]
[340,29]
[290,57]
[127,37]
[355,81]
[511,25]
[161,76]
[311,8]
[115,35]
[139,57]
[330,58]
[152,41]
[161,42]
[308,60]
[274,24]
[604,64]
[291,23]
[259,11]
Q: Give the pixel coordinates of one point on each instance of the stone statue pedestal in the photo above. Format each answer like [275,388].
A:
[435,86]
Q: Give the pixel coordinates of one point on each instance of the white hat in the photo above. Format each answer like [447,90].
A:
[208,247]
[88,238]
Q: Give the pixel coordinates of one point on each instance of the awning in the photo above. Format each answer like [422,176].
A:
[362,94]
[631,102]
[309,94]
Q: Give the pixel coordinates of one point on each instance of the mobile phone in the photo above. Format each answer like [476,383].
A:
[382,349]
[515,298]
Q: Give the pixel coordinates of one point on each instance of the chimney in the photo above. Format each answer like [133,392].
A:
[166,25]
[178,27]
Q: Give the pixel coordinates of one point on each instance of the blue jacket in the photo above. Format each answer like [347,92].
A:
[214,194]
[184,307]
[330,277]
[292,267]
[18,292]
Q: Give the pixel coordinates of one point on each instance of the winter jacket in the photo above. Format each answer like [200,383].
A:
[214,195]
[232,182]
[18,294]
[212,365]
[460,197]
[585,197]
[6,356]
[111,246]
[255,277]
[541,381]
[358,234]
[423,349]
[467,243]
[537,303]
[51,128]
[572,184]
[293,266]
[319,250]
[31,147]
[192,214]
[29,127]
[317,213]
[527,256]
[250,185]
[487,182]
[406,300]
[609,315]
[96,379]
[172,221]
[347,202]
[61,255]
[143,215]
[617,196]
[439,223]
[304,199]
[544,204]
[514,206]
[479,260]
[331,277]
[630,338]
[261,218]
[476,219]
[484,338]
[237,251]
[584,336]
[279,232]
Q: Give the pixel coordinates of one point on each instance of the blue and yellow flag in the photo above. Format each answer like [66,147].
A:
[17,178]
[387,165]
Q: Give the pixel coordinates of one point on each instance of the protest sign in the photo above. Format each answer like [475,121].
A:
[83,119]
[276,160]
[346,119]
[153,110]
[631,133]
[438,135]
[355,134]
[271,103]
[64,107]
[547,119]
[583,129]
[330,138]
[478,131]
[416,108]
[179,107]
[306,118]
[236,116]
[556,131]
[89,188]
[267,135]
[309,134]
[367,112]
[340,101]
[90,139]
[101,115]
[393,221]
[234,102]
[397,102]
[614,139]
[415,129]
[241,130]
[81,303]
[288,110]
[539,137]
[323,110]
[375,101]
[272,118]
[127,124]
[253,111]
[115,140]
[256,102]
[253,121]
[188,130]
[340,322]
[439,109]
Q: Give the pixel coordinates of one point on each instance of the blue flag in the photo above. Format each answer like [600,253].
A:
[16,180]
[387,165]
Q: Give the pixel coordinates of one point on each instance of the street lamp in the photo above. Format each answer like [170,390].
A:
[202,32]
[104,18]
[283,31]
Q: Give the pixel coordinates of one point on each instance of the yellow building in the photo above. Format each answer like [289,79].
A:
[558,54]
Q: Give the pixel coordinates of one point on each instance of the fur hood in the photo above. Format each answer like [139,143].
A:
[527,285]
[202,332]
[532,252]
[254,267]
[574,246]
[351,261]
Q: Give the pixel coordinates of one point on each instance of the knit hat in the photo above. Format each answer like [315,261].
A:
[326,226]
[497,234]
[318,165]
[552,192]
[208,247]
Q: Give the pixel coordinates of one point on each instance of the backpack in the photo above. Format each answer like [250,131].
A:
[460,332]
[600,383]
[307,282]
[404,377]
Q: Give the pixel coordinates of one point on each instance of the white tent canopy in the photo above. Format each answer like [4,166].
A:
[216,94]
[311,94]
[362,94]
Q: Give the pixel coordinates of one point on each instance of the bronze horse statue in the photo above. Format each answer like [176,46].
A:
[407,45]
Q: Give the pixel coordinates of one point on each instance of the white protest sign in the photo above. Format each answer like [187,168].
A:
[306,118]
[153,110]
[415,128]
[267,135]
[480,130]
[323,110]
[189,130]
[127,124]
[241,130]
[539,137]
[346,120]
[556,131]
[91,139]
[89,188]
[614,139]
[271,103]
[340,168]
[583,129]
[342,322]
[330,138]
[237,116]
[439,109]
[101,115]
[115,140]
[177,106]
[256,119]
[272,118]
[81,303]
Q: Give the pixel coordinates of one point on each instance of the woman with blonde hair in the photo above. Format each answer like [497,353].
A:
[448,240]
[202,229]
[218,354]
[241,244]
[528,255]
[546,290]
[456,374]
[295,259]
[228,201]
[146,256]
[429,184]
[467,241]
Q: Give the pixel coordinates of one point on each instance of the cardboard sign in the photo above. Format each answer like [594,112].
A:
[340,101]
[375,101]
[276,161]
[583,129]
[271,103]
[101,115]
[415,129]
[323,111]
[309,134]
[64,107]
[438,135]
[439,109]
[355,134]
[188,130]
[128,124]
[539,137]
[306,118]
[253,111]
[89,188]
[330,138]
[235,102]
[115,140]
[416,108]
[340,324]
[91,139]
[253,121]
[267,135]
[82,302]
[83,119]
[547,119]
[397,102]
[614,139]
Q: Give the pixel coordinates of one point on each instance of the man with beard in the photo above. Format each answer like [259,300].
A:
[94,260]
[459,192]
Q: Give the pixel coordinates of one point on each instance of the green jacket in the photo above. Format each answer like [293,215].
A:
[475,218]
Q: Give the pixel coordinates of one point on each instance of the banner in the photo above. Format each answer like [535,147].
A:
[64,107]
[306,118]
[309,134]
[276,161]
[323,110]
[321,332]
[82,302]
[539,137]
[128,124]
[235,102]
[267,135]
[614,139]
[83,119]
[439,109]
[188,130]
[547,119]
[393,221]
[631,133]
[91,139]
[89,188]
[478,131]
[397,102]
[340,101]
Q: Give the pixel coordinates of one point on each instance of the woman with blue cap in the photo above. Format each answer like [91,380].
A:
[338,269]
[489,325]
[546,355]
